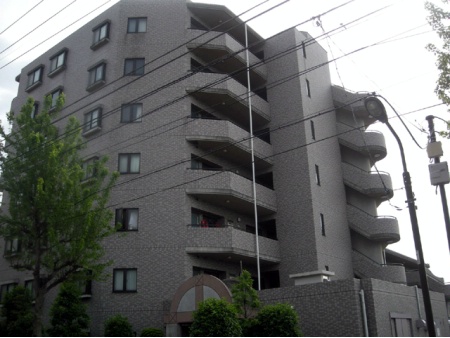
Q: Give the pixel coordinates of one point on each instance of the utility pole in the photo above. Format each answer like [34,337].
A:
[438,171]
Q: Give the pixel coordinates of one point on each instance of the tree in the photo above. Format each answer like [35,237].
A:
[245,298]
[68,313]
[215,318]
[58,220]
[279,320]
[438,19]
[17,309]
[118,326]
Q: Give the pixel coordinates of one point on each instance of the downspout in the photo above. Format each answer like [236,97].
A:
[364,313]
[418,302]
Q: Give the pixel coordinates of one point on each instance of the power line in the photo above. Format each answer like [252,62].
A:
[34,29]
[21,17]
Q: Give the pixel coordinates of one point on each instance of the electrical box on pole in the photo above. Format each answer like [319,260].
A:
[439,173]
[434,149]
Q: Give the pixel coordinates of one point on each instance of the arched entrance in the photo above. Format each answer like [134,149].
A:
[186,299]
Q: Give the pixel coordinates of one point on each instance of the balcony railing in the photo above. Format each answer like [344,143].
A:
[376,228]
[365,267]
[219,134]
[231,243]
[371,183]
[369,143]
[228,189]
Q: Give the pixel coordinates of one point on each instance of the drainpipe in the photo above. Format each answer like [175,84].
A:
[364,313]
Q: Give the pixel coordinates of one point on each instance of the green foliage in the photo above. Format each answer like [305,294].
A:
[279,320]
[245,298]
[118,326]
[152,332]
[68,313]
[59,221]
[215,318]
[438,20]
[17,309]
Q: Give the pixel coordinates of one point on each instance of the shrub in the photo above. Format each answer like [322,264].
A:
[18,313]
[118,326]
[279,320]
[152,332]
[68,313]
[215,318]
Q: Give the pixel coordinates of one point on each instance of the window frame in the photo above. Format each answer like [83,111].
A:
[122,217]
[308,88]
[88,166]
[36,82]
[5,288]
[137,21]
[132,113]
[54,98]
[88,121]
[129,157]
[55,69]
[13,247]
[97,39]
[136,70]
[93,82]
[124,288]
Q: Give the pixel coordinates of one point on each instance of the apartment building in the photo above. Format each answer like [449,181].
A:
[171,103]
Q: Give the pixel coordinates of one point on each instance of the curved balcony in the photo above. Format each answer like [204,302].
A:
[230,244]
[351,103]
[364,267]
[214,46]
[373,184]
[233,141]
[229,190]
[229,97]
[368,143]
[375,228]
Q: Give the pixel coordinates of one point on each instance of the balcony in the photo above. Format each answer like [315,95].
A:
[228,96]
[229,190]
[351,103]
[374,228]
[364,267]
[227,55]
[232,245]
[373,184]
[232,142]
[368,143]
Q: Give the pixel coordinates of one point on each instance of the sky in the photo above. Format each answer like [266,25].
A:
[395,64]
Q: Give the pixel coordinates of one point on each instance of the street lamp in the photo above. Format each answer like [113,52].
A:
[376,109]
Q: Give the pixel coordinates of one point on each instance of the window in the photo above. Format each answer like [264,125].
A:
[34,110]
[101,34]
[304,49]
[134,66]
[137,25]
[97,75]
[58,62]
[313,130]
[308,88]
[131,112]
[125,280]
[317,175]
[35,77]
[89,168]
[129,163]
[92,120]
[12,246]
[5,288]
[127,218]
[30,287]
[55,95]
[322,224]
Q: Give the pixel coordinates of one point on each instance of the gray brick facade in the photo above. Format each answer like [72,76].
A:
[316,198]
